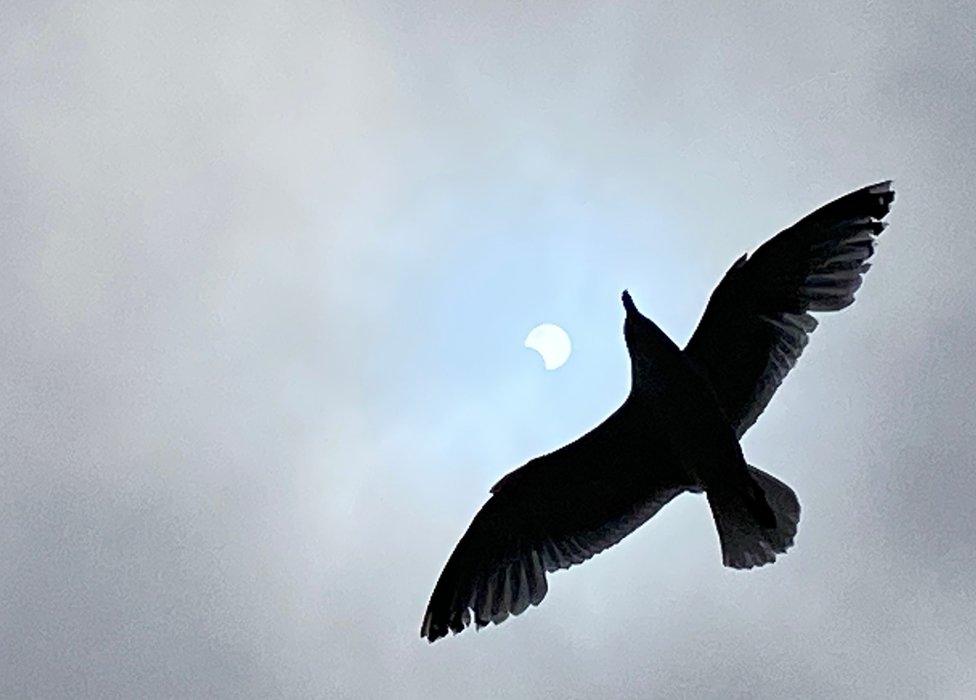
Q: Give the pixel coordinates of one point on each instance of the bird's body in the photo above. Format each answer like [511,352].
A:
[676,403]
[678,430]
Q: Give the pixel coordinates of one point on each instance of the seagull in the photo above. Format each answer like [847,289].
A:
[678,429]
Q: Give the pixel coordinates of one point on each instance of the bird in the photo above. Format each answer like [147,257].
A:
[677,431]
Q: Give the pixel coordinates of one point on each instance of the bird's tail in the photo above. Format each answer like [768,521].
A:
[756,520]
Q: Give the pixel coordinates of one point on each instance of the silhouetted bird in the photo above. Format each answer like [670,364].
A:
[678,430]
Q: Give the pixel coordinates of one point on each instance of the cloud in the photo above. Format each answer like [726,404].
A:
[267,274]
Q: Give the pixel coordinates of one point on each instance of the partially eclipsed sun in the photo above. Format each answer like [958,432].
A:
[552,342]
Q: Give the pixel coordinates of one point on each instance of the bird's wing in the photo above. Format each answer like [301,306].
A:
[556,511]
[757,321]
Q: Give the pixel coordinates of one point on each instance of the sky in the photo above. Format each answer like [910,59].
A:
[267,270]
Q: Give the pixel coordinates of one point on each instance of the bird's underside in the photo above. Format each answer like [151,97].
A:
[677,431]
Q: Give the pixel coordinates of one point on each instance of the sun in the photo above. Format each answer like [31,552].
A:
[552,343]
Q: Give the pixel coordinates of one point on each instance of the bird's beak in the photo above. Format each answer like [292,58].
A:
[629,303]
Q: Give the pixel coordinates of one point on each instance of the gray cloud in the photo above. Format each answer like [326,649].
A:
[266,274]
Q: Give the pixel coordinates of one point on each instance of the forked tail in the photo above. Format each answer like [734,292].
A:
[756,521]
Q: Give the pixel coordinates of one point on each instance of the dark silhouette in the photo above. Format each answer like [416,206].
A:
[677,431]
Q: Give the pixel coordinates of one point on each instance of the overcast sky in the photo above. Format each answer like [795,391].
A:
[266,273]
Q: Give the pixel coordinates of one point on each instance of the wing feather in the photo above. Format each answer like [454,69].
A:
[758,320]
[555,512]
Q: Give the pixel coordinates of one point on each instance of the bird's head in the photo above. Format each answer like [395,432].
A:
[640,332]
[629,305]
[634,318]
[632,321]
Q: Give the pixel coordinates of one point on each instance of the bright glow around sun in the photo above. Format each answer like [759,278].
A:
[552,342]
